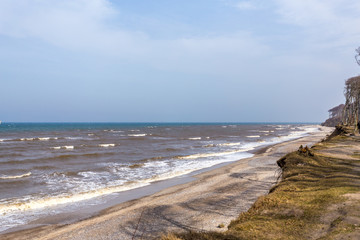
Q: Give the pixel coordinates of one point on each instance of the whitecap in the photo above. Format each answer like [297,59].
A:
[107,145]
[137,135]
[16,176]
[44,138]
[63,147]
[253,136]
[27,139]
[195,138]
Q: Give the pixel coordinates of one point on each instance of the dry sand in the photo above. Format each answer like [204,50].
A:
[215,197]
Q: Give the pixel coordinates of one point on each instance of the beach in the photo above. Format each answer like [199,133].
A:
[179,120]
[318,197]
[212,199]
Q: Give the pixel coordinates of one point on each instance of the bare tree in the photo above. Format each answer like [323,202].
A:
[352,105]
[351,111]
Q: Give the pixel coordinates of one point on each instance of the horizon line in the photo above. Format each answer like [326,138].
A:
[156,122]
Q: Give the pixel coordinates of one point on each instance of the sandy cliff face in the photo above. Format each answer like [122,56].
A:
[332,122]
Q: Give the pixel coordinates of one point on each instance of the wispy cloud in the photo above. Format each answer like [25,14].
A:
[86,25]
[246,5]
[333,23]
[76,25]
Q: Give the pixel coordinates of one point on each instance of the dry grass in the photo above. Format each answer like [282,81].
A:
[298,207]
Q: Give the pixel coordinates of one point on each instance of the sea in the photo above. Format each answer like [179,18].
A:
[52,168]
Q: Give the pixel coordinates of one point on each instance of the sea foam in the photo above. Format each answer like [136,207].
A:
[214,154]
[64,199]
[229,144]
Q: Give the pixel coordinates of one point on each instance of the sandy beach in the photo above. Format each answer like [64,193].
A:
[220,195]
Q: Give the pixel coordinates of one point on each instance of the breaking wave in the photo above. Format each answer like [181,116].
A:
[16,176]
[195,138]
[137,135]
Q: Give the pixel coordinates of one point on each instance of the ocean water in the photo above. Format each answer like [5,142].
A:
[46,168]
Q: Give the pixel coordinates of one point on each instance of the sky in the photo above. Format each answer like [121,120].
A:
[175,61]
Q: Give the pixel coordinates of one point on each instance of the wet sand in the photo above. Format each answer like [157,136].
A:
[214,197]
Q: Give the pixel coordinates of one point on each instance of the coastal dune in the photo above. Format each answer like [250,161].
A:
[213,199]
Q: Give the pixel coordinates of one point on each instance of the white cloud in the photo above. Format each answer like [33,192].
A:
[246,5]
[87,25]
[332,23]
[77,25]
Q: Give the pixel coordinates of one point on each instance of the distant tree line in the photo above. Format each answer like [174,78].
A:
[352,102]
[348,114]
[351,109]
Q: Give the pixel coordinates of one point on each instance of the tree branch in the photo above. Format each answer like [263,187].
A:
[357,56]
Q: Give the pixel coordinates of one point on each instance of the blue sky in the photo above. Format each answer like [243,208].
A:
[204,60]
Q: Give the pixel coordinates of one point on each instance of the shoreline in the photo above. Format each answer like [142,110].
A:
[207,195]
[318,196]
